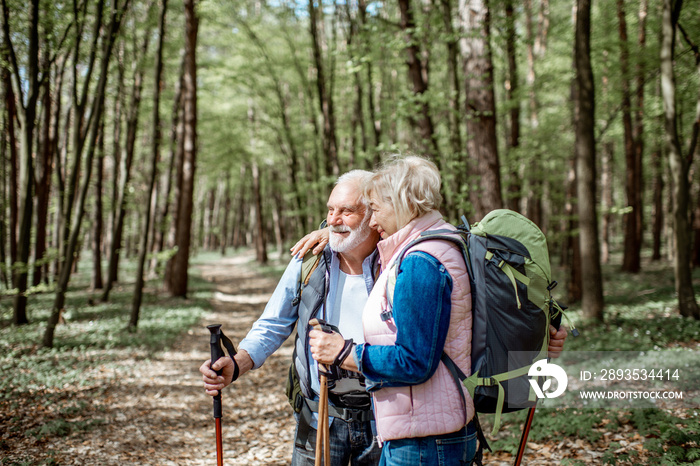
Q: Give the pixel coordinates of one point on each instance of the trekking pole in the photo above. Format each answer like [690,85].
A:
[216,353]
[526,432]
[323,430]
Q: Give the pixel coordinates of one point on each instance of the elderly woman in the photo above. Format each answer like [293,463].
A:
[422,418]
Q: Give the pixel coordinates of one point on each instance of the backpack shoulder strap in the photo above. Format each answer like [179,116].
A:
[308,265]
[453,236]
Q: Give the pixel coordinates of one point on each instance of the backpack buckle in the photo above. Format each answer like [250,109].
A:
[386,315]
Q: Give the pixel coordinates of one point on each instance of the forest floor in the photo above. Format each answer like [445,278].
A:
[155,412]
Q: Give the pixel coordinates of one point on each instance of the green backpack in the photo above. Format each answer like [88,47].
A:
[512,307]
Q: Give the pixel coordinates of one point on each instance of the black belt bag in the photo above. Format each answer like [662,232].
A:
[311,406]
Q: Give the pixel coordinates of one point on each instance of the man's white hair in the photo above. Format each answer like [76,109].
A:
[359,178]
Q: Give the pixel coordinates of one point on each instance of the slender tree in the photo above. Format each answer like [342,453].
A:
[679,165]
[418,78]
[177,284]
[155,155]
[97,282]
[591,274]
[330,139]
[26,85]
[632,248]
[480,107]
[533,171]
[512,97]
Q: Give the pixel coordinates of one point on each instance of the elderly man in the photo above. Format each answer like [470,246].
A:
[336,291]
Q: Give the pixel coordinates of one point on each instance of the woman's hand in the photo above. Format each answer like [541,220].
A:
[318,238]
[325,347]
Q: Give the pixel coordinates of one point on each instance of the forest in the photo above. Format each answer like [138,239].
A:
[139,134]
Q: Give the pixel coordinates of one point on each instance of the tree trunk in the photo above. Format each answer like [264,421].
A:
[591,275]
[533,169]
[81,124]
[453,181]
[658,212]
[208,230]
[639,122]
[330,141]
[25,78]
[376,122]
[679,166]
[632,249]
[97,282]
[155,155]
[161,215]
[571,255]
[259,227]
[44,165]
[177,284]
[277,209]
[115,160]
[238,236]
[606,188]
[417,73]
[9,153]
[480,108]
[7,172]
[227,210]
[512,98]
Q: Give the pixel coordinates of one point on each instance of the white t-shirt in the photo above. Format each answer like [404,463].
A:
[350,298]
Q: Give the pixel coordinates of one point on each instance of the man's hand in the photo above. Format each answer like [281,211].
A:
[213,383]
[556,341]
[317,238]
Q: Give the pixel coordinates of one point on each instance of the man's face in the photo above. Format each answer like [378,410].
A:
[347,218]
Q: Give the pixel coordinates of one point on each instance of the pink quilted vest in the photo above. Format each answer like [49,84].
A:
[434,407]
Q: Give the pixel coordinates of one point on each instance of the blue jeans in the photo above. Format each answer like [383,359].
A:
[351,443]
[457,448]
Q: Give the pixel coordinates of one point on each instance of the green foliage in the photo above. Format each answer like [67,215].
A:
[63,428]
[675,440]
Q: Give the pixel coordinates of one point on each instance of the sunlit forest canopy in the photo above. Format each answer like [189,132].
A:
[162,128]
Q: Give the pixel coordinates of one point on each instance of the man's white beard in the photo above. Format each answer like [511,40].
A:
[355,238]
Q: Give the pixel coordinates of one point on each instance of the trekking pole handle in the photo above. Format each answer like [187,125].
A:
[216,353]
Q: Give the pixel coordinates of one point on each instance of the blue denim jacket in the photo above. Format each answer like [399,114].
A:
[421,313]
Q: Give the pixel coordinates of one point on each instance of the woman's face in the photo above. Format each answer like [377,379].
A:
[383,216]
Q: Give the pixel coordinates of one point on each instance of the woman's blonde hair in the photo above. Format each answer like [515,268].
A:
[410,183]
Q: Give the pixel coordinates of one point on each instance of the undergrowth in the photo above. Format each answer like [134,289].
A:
[90,346]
